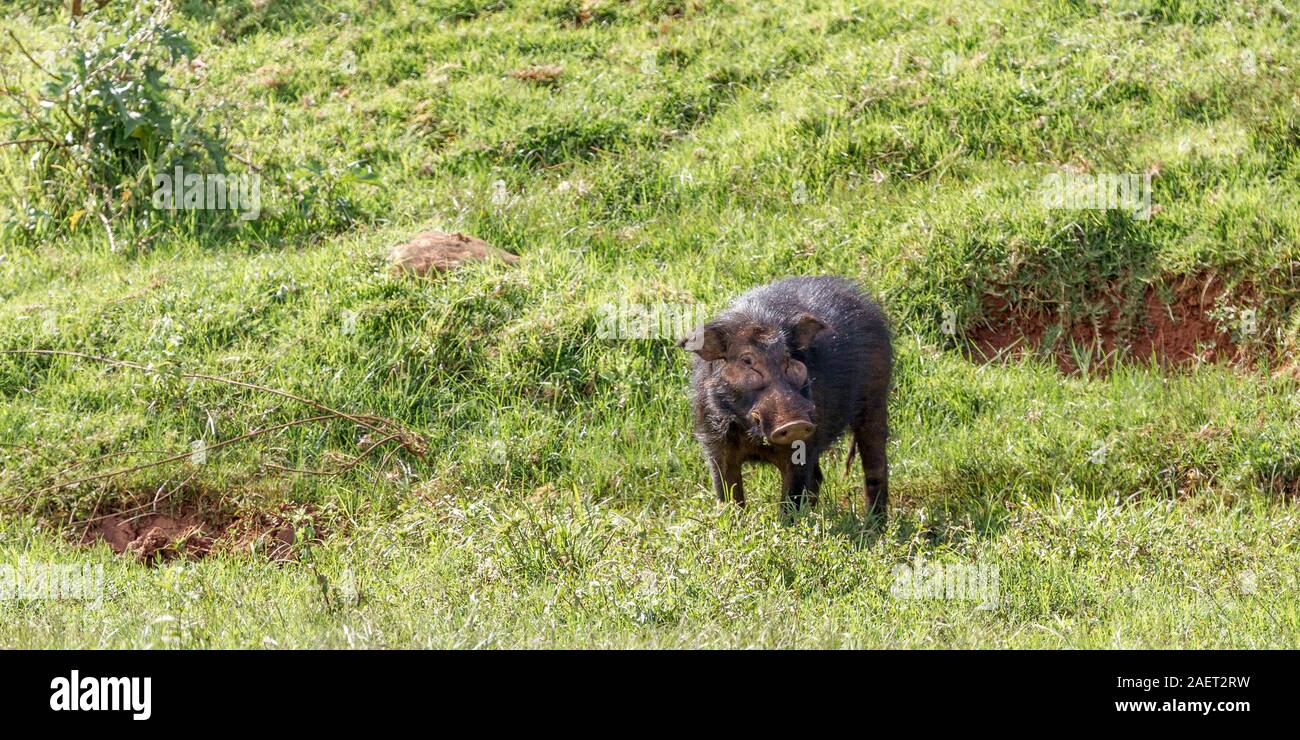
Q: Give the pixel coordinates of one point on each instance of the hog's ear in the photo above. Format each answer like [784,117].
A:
[707,341]
[806,330]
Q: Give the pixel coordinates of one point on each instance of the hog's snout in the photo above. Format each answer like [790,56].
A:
[784,420]
[792,432]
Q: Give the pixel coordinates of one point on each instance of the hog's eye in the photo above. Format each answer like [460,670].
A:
[749,361]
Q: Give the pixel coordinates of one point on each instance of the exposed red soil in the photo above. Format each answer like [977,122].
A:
[1288,487]
[191,533]
[1175,333]
[544,74]
[435,252]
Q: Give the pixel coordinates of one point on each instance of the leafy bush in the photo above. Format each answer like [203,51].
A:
[101,121]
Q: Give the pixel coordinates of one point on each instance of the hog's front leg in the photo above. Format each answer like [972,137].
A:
[800,480]
[727,482]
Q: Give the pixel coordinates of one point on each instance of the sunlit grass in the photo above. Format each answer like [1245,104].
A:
[686,152]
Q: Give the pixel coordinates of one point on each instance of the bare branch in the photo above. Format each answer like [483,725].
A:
[387,429]
[22,49]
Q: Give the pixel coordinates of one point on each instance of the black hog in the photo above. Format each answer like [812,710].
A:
[781,374]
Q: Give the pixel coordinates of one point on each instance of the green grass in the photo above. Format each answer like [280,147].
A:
[688,151]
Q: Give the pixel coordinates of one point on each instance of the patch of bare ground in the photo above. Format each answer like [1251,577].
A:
[1285,486]
[191,531]
[1183,330]
[543,74]
[435,252]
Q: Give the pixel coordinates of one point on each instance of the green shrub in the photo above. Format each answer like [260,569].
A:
[97,122]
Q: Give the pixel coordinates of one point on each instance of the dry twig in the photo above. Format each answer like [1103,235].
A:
[387,429]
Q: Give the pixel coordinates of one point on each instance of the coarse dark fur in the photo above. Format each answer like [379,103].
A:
[781,374]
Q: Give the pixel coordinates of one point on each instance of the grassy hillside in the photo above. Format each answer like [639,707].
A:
[1130,469]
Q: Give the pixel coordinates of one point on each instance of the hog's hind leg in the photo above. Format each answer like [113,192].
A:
[871,435]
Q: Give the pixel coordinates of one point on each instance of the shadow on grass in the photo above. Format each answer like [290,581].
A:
[951,521]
